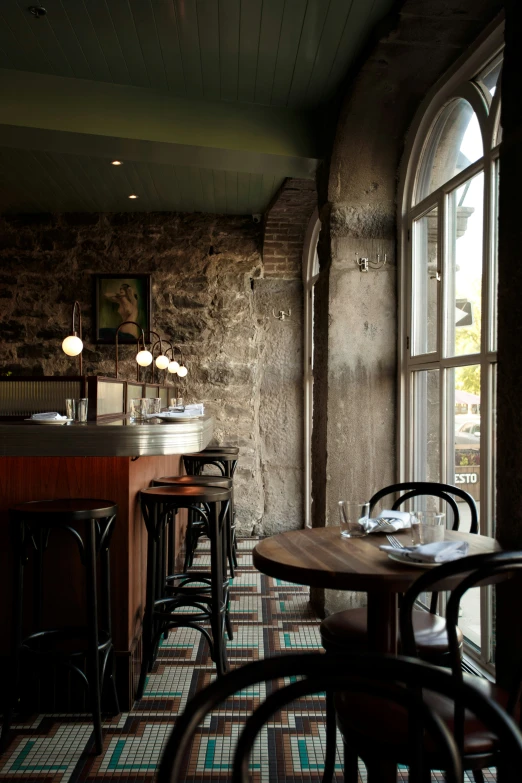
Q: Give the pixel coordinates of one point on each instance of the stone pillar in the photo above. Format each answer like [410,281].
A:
[355,369]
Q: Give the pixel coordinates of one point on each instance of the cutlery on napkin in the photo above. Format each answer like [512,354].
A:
[437,552]
[52,416]
[388,522]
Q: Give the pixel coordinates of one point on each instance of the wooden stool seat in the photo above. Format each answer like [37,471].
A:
[196,525]
[199,481]
[222,449]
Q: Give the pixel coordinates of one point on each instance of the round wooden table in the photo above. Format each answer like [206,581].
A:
[321,557]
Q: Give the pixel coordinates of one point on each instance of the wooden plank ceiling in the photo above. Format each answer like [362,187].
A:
[288,56]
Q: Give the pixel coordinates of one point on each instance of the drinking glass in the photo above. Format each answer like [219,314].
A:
[70,409]
[354,516]
[427,527]
[139,408]
[155,405]
[77,409]
[81,409]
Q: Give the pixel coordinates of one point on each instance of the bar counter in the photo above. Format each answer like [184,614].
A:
[117,437]
[110,459]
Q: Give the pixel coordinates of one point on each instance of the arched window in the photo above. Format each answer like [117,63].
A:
[448,297]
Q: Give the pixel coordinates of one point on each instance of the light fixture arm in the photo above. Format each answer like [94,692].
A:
[76,308]
[178,349]
[169,344]
[153,345]
[137,343]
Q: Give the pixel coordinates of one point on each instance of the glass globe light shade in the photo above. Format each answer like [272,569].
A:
[72,345]
[162,362]
[144,358]
[173,367]
[182,371]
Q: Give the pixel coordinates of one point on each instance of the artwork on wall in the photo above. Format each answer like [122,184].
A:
[119,298]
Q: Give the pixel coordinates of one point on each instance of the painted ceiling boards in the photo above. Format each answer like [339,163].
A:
[238,80]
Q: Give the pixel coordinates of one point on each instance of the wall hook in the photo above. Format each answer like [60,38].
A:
[365,264]
[282,314]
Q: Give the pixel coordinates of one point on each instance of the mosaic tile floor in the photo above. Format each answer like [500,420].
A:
[269,616]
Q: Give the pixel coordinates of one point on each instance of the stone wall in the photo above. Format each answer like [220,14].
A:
[209,296]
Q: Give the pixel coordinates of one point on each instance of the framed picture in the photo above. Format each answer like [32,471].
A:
[119,298]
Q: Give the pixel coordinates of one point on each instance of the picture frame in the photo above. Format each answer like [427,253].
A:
[118,298]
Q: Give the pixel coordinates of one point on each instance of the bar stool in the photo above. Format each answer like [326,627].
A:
[205,593]
[31,526]
[225,459]
[196,526]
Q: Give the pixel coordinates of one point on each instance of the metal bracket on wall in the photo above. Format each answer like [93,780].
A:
[365,264]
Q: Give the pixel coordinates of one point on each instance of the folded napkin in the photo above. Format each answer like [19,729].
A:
[49,416]
[438,552]
[175,413]
[195,407]
[388,522]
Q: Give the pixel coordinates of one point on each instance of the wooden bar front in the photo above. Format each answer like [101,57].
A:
[114,478]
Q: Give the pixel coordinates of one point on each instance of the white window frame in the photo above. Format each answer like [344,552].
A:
[310,274]
[456,83]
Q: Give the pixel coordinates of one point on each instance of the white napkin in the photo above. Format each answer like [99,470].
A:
[49,416]
[438,552]
[388,522]
[195,407]
[176,414]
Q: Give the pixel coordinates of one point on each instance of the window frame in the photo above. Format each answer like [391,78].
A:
[459,82]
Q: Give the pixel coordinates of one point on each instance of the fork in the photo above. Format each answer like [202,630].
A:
[396,544]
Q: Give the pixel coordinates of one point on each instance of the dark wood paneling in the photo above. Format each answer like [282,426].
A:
[114,478]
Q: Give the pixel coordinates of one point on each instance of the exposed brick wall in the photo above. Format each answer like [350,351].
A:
[285,227]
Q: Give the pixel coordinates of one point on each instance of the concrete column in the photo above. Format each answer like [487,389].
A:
[355,369]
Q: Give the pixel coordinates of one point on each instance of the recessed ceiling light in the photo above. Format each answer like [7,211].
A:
[37,11]
[116,162]
[133,195]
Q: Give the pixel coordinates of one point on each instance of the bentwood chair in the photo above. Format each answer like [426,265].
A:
[348,630]
[379,734]
[401,684]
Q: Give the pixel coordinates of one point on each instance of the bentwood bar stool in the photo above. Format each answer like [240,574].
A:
[197,523]
[87,649]
[170,595]
[224,458]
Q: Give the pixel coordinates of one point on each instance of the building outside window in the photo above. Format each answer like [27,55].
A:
[448,340]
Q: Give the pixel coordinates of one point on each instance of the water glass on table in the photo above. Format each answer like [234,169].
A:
[354,518]
[427,527]
[139,408]
[77,409]
[155,405]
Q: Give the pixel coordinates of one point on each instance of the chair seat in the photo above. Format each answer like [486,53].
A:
[350,629]
[367,717]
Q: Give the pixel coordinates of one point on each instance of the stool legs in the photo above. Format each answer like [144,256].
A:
[93,657]
[18,535]
[159,599]
[219,610]
[148,619]
[105,574]
[331,739]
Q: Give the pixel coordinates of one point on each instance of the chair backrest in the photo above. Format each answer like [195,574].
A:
[476,570]
[431,488]
[358,673]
